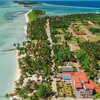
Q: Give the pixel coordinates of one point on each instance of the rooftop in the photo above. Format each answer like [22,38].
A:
[83,79]
[78,85]
[67,68]
[80,73]
[71,73]
[97,90]
[66,76]
[88,86]
[76,79]
[80,78]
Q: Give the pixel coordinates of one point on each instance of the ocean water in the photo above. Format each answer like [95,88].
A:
[12,21]
[77,3]
[68,7]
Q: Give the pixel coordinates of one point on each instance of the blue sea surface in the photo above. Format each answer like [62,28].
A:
[12,21]
[67,7]
[92,4]
[76,3]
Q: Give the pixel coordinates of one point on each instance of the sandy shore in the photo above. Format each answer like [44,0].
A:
[27,20]
[17,71]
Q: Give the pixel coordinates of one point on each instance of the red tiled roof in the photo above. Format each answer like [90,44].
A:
[91,85]
[78,85]
[88,86]
[83,78]
[80,76]
[76,79]
[97,90]
[80,73]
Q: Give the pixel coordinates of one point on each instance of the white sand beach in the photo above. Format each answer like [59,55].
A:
[17,72]
[27,20]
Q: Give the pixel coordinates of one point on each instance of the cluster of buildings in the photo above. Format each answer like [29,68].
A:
[82,86]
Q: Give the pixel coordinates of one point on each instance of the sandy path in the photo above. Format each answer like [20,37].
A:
[54,88]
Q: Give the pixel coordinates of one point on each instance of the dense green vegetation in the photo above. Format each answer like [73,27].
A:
[34,27]
[97,96]
[66,34]
[94,30]
[92,48]
[35,14]
[88,56]
[58,22]
[63,54]
[64,21]
[53,33]
[34,91]
[44,90]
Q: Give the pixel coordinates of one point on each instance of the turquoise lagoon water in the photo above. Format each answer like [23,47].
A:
[12,21]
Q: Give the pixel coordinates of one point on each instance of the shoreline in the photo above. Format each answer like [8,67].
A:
[17,70]
[27,20]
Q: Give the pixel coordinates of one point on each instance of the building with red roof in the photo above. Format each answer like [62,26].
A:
[80,73]
[68,70]
[90,85]
[97,90]
[76,79]
[81,76]
[71,73]
[78,85]
[82,86]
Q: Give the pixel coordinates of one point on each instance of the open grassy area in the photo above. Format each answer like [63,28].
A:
[94,39]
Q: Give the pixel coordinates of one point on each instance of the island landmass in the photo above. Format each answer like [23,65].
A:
[27,2]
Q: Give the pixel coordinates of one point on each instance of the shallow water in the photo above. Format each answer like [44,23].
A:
[12,21]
